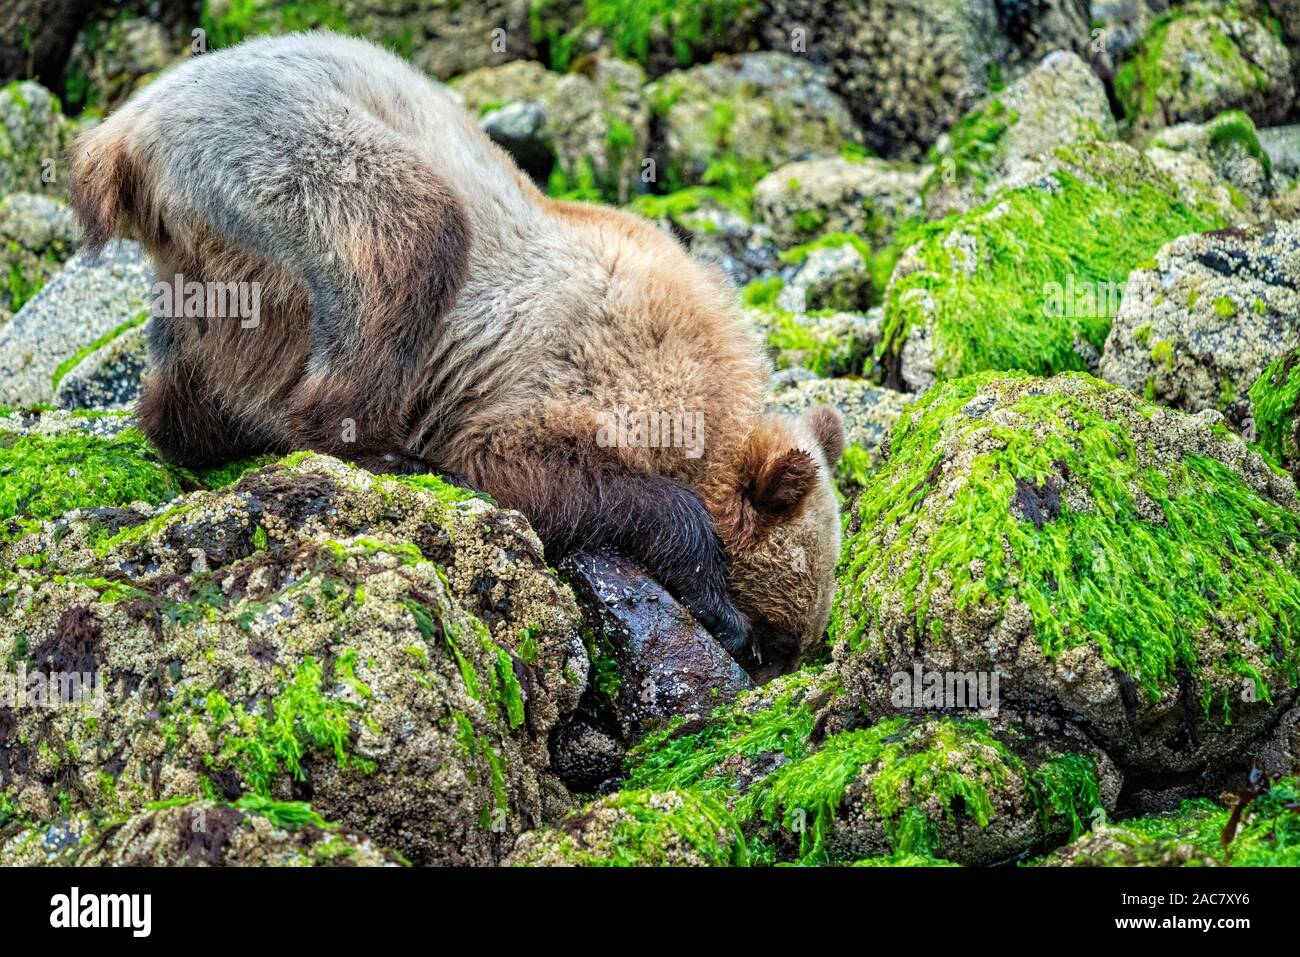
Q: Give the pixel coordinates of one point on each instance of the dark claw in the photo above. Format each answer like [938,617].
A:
[727,624]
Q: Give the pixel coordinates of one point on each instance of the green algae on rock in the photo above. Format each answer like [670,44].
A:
[53,463]
[377,643]
[1202,59]
[1117,562]
[637,828]
[1193,834]
[1061,101]
[195,832]
[985,289]
[1275,401]
[916,785]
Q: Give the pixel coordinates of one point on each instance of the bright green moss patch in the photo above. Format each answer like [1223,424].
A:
[262,744]
[1275,399]
[1198,832]
[1236,128]
[45,476]
[916,770]
[1144,554]
[222,476]
[985,289]
[670,760]
[640,828]
[975,148]
[681,203]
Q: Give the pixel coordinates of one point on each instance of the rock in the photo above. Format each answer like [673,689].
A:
[1117,27]
[37,235]
[53,462]
[838,344]
[667,664]
[1275,405]
[1126,567]
[492,87]
[912,788]
[1281,144]
[833,277]
[1197,328]
[36,36]
[869,412]
[443,39]
[84,301]
[746,115]
[868,198]
[709,222]
[33,136]
[252,832]
[1193,835]
[1287,206]
[395,648]
[1200,60]
[511,103]
[944,789]
[518,128]
[908,69]
[1032,278]
[598,126]
[1037,28]
[1201,188]
[109,377]
[1230,147]
[658,36]
[637,829]
[114,56]
[587,754]
[1061,101]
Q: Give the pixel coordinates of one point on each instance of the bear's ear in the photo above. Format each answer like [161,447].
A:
[824,422]
[772,484]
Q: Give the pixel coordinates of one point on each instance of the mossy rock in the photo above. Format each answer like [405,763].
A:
[598,123]
[984,289]
[1061,101]
[1229,146]
[116,53]
[1275,400]
[1197,834]
[637,828]
[658,34]
[52,463]
[194,832]
[964,790]
[807,787]
[1199,325]
[33,137]
[377,643]
[908,69]
[443,39]
[37,235]
[1201,59]
[732,121]
[823,342]
[1126,567]
[867,197]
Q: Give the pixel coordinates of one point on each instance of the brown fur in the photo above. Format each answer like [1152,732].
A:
[415,284]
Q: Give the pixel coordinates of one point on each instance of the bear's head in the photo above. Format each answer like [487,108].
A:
[782,536]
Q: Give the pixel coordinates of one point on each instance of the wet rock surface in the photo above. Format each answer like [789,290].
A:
[668,665]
